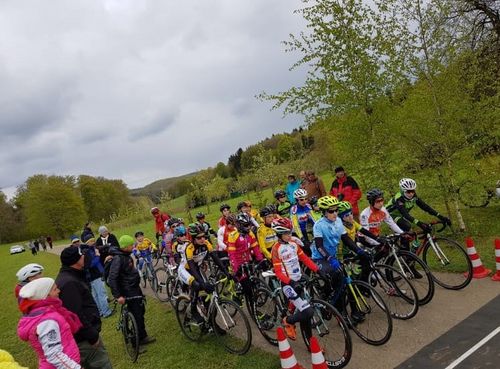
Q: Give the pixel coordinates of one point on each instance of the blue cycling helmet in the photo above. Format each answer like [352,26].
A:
[180,231]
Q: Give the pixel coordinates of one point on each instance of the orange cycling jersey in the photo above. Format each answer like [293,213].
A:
[371,219]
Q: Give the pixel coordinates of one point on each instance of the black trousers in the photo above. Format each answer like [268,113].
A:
[137,308]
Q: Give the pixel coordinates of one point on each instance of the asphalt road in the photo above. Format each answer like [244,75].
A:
[430,339]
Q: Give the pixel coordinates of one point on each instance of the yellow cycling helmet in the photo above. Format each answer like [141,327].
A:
[327,202]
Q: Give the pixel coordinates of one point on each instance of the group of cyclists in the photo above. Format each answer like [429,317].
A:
[286,236]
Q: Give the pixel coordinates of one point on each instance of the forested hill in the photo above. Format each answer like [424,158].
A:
[175,186]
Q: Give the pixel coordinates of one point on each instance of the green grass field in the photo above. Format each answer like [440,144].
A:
[172,350]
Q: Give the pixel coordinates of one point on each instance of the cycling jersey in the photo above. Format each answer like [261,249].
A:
[330,232]
[222,235]
[196,253]
[145,247]
[371,219]
[399,207]
[301,217]
[286,257]
[267,238]
[351,230]
[160,220]
[240,248]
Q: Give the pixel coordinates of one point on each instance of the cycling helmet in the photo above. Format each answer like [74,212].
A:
[174,222]
[196,229]
[27,271]
[313,200]
[243,222]
[138,233]
[373,195]
[299,193]
[231,219]
[180,231]
[407,184]
[344,208]
[155,210]
[282,225]
[267,210]
[200,215]
[243,204]
[279,193]
[224,206]
[327,202]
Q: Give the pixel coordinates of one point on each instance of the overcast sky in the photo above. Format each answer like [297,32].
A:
[138,90]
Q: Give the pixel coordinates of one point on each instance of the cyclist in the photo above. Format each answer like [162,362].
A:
[316,212]
[372,217]
[190,273]
[225,210]
[143,248]
[265,234]
[302,218]
[200,217]
[223,233]
[160,219]
[283,205]
[25,275]
[169,236]
[403,202]
[246,207]
[328,231]
[286,259]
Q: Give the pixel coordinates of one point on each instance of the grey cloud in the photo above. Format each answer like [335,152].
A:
[153,127]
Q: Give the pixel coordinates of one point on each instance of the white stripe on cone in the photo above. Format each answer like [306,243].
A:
[476,263]
[283,345]
[471,250]
[497,253]
[498,267]
[290,362]
[317,358]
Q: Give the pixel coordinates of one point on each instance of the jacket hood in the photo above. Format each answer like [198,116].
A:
[113,250]
[35,309]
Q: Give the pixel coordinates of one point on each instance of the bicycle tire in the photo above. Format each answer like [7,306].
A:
[192,331]
[231,327]
[268,315]
[461,270]
[174,289]
[153,281]
[332,332]
[162,276]
[397,291]
[130,336]
[375,312]
[474,195]
[144,277]
[413,267]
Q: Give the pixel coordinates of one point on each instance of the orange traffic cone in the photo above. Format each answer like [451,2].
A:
[496,276]
[478,270]
[287,358]
[317,358]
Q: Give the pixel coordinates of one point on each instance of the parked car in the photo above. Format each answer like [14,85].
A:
[17,249]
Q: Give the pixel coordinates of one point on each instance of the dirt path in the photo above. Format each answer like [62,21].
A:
[447,309]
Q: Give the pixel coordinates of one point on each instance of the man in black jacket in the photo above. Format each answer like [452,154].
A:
[77,297]
[104,241]
[124,282]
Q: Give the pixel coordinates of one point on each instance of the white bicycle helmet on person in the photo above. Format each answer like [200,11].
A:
[300,193]
[407,184]
[27,271]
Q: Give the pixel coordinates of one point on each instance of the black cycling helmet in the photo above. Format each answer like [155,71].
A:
[243,222]
[174,221]
[224,206]
[139,233]
[374,194]
[313,201]
[196,229]
[267,210]
[200,215]
[279,193]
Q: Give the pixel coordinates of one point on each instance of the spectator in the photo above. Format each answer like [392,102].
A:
[76,296]
[302,177]
[75,241]
[103,243]
[26,274]
[345,188]
[95,271]
[32,248]
[160,219]
[291,186]
[43,243]
[124,282]
[313,185]
[86,232]
[49,241]
[48,326]
[37,244]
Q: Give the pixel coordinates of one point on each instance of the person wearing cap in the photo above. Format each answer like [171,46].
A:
[291,186]
[124,282]
[48,326]
[104,241]
[77,297]
[94,272]
[25,275]
[345,188]
[75,240]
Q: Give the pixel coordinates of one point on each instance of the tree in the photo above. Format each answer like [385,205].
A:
[234,163]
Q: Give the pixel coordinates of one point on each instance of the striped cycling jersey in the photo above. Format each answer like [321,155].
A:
[372,219]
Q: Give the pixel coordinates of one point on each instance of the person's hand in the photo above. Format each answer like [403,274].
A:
[209,288]
[294,284]
[108,258]
[361,252]
[425,227]
[265,265]
[444,219]
[334,263]
[382,240]
[120,300]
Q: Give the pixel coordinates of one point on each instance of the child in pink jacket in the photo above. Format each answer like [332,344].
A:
[48,326]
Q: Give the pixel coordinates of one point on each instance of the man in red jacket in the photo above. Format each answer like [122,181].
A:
[345,188]
[160,219]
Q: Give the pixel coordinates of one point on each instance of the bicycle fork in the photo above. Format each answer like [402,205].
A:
[440,254]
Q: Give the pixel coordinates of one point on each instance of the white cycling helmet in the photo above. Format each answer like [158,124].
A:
[299,193]
[28,271]
[407,184]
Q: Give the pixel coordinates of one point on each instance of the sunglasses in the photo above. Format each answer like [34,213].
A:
[302,199]
[410,191]
[379,200]
[199,237]
[332,211]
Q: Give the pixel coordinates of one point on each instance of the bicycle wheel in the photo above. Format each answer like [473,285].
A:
[451,266]
[161,292]
[375,325]
[130,336]
[268,314]
[144,276]
[192,330]
[398,293]
[417,272]
[332,332]
[153,281]
[231,326]
[174,289]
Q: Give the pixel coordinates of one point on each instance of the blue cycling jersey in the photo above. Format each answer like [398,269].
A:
[330,232]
